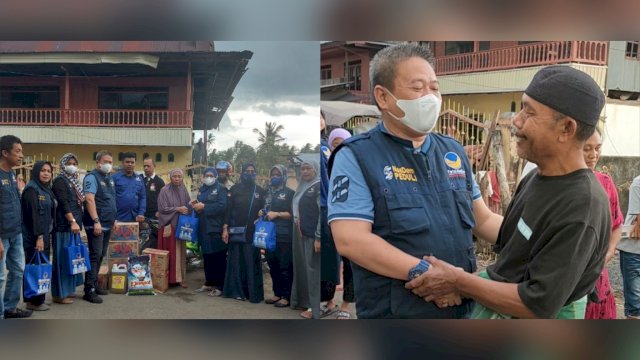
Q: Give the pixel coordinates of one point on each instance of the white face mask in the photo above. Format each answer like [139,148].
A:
[106,168]
[419,114]
[209,180]
[71,169]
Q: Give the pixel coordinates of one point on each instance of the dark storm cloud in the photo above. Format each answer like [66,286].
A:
[278,71]
[274,109]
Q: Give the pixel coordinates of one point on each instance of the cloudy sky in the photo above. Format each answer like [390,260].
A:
[282,84]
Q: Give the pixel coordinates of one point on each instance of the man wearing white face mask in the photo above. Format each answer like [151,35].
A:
[99,215]
[399,193]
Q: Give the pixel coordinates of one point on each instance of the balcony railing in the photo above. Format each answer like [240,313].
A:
[536,54]
[107,118]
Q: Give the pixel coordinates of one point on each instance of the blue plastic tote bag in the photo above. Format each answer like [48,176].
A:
[77,256]
[187,229]
[37,275]
[265,235]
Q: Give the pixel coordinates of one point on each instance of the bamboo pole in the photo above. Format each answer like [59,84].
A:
[505,195]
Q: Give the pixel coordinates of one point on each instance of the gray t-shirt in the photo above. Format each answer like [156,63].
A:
[626,244]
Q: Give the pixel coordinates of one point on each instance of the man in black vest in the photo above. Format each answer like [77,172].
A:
[401,192]
[99,216]
[153,184]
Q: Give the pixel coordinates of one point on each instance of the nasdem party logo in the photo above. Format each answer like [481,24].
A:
[453,160]
[399,173]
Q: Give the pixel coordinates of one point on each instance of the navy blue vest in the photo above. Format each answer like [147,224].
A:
[62,224]
[309,210]
[281,201]
[10,210]
[105,201]
[422,206]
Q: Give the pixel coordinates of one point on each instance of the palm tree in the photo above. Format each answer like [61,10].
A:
[270,137]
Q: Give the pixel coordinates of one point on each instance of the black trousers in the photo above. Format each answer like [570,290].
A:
[327,290]
[28,255]
[215,268]
[347,281]
[98,248]
[281,267]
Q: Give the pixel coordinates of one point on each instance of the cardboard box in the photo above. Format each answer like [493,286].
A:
[103,277]
[125,231]
[123,249]
[159,267]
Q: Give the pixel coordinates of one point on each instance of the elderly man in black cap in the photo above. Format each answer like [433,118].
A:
[554,236]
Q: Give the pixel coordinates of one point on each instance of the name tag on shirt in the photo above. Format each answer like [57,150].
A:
[524,229]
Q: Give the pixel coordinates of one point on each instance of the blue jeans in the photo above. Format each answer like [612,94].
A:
[11,286]
[630,268]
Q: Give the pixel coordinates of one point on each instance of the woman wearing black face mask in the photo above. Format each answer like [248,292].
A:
[278,209]
[243,278]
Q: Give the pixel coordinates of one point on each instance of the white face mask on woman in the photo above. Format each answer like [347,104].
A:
[71,169]
[209,180]
[420,114]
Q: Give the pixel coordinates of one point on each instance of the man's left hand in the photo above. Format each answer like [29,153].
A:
[140,218]
[438,281]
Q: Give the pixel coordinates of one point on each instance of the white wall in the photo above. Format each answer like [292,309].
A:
[622,129]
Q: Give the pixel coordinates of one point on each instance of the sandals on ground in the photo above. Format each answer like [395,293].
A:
[343,315]
[215,292]
[203,288]
[272,300]
[325,311]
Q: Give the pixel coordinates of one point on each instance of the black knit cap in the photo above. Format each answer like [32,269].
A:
[569,91]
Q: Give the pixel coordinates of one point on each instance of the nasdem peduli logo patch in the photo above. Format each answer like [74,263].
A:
[453,160]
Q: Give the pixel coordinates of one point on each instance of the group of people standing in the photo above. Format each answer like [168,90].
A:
[52,211]
[233,265]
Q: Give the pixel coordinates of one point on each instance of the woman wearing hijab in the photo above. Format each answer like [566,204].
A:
[211,208]
[243,279]
[38,211]
[68,191]
[336,138]
[278,209]
[173,201]
[306,241]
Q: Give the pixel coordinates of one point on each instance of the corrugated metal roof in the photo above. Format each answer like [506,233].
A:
[105,46]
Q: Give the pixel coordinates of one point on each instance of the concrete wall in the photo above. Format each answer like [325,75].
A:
[621,129]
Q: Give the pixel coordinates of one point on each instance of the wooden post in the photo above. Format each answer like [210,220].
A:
[505,194]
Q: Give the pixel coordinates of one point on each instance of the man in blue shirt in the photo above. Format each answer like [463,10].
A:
[11,248]
[131,195]
[399,193]
[99,216]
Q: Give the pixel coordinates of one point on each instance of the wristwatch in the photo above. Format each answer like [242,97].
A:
[96,220]
[419,269]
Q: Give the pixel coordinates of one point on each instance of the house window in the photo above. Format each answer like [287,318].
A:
[170,157]
[150,98]
[145,156]
[120,156]
[158,157]
[457,47]
[353,74]
[632,49]
[325,72]
[30,97]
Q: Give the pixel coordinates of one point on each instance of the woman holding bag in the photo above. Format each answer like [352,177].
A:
[278,210]
[211,208]
[38,211]
[243,279]
[68,222]
[173,200]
